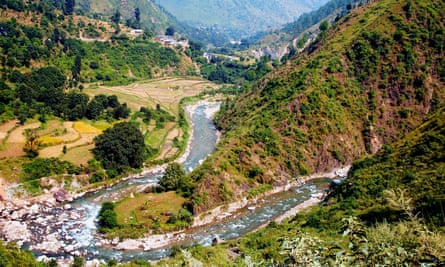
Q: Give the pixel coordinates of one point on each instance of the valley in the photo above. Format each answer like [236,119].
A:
[314,143]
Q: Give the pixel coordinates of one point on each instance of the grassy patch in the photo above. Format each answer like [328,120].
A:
[101,124]
[84,128]
[79,155]
[156,137]
[150,210]
[10,168]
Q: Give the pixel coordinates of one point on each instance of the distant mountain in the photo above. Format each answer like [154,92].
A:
[246,17]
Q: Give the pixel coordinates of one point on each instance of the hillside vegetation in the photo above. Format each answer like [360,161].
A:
[389,211]
[152,16]
[367,81]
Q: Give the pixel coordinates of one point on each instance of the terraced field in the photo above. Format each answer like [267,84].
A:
[73,141]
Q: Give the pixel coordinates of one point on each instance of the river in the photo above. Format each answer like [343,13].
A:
[72,230]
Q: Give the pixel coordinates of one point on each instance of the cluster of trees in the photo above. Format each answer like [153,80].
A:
[45,167]
[43,92]
[175,179]
[67,6]
[159,115]
[73,61]
[120,148]
[223,70]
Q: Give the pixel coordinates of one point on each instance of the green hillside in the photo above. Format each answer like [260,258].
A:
[366,82]
[152,17]
[388,212]
[82,50]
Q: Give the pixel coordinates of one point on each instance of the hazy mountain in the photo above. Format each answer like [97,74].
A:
[245,16]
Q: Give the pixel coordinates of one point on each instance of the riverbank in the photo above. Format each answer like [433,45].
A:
[225,212]
[6,190]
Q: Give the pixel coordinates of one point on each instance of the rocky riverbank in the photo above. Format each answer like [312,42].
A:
[224,212]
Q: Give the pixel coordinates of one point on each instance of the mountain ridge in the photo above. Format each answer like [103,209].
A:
[245,16]
[354,90]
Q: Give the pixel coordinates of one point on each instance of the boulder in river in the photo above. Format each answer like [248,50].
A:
[61,195]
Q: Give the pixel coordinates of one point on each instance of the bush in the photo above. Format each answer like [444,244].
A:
[107,217]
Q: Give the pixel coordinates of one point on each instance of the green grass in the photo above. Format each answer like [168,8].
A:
[79,155]
[148,210]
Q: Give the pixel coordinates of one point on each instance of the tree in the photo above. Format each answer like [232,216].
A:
[170,31]
[120,147]
[324,26]
[77,67]
[107,216]
[116,18]
[173,178]
[32,143]
[94,109]
[137,15]
[69,7]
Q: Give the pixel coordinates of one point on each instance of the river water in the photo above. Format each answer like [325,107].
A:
[76,232]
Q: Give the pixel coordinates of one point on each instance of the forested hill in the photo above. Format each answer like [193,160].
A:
[368,80]
[152,16]
[35,35]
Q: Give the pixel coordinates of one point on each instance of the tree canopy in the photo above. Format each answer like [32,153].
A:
[173,177]
[120,147]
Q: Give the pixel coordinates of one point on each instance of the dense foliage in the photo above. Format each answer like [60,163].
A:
[55,42]
[120,147]
[43,92]
[107,217]
[228,70]
[175,179]
[415,165]
[41,167]
[11,255]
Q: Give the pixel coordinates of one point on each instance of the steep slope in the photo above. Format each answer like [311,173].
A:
[367,82]
[415,164]
[389,211]
[247,16]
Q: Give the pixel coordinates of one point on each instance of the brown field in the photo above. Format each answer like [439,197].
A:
[166,91]
[5,128]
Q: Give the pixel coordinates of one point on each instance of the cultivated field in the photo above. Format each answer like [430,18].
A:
[76,138]
[166,91]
